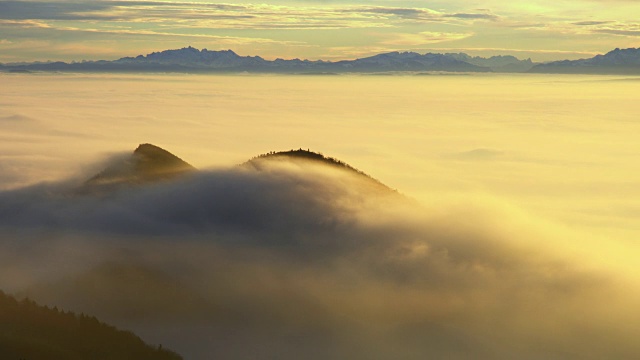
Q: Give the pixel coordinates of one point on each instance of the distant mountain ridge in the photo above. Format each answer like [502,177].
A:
[408,61]
[500,63]
[190,59]
[617,61]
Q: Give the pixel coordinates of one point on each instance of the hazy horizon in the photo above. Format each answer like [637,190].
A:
[515,235]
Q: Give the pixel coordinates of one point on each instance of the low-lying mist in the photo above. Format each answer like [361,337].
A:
[295,260]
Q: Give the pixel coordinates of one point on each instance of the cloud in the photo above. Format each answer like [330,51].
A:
[422,38]
[236,200]
[591,23]
[16,118]
[222,40]
[481,16]
[424,14]
[46,10]
[229,262]
[27,24]
[621,32]
[186,15]
[479,154]
[12,174]
[403,13]
[619,28]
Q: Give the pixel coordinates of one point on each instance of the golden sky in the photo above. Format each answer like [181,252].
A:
[325,29]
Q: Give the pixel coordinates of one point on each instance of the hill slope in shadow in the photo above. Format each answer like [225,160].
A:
[147,163]
[30,331]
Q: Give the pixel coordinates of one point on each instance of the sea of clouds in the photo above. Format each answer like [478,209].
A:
[513,234]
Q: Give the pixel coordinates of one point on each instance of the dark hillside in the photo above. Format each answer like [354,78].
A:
[147,163]
[307,155]
[32,332]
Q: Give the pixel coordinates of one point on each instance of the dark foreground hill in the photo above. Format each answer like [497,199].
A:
[32,332]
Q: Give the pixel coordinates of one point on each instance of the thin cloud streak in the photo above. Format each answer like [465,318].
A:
[422,38]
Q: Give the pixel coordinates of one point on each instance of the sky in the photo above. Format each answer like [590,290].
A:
[324,29]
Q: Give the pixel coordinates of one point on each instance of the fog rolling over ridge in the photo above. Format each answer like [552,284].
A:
[295,255]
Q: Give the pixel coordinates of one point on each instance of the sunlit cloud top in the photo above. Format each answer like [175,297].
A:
[108,29]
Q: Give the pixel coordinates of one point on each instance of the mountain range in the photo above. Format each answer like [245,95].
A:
[617,61]
[192,60]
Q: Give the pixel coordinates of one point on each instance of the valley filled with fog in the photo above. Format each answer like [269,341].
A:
[509,228]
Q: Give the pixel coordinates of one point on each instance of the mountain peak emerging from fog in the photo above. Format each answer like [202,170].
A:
[302,155]
[147,163]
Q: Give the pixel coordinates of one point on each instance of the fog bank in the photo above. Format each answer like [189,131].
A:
[306,261]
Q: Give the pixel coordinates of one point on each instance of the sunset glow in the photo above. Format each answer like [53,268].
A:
[109,29]
[319,180]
